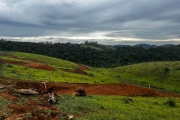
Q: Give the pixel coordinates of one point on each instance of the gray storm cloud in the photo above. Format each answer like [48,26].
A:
[120,21]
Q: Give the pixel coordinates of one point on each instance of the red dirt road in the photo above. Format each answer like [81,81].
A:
[97,89]
[112,89]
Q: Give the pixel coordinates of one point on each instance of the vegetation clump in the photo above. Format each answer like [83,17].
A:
[80,92]
[128,100]
[170,102]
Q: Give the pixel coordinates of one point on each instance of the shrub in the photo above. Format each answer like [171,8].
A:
[171,102]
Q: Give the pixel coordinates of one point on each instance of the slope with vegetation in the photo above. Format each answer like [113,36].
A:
[161,75]
[17,66]
[51,69]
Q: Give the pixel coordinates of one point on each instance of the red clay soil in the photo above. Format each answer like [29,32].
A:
[38,109]
[36,65]
[42,66]
[96,89]
[12,56]
[81,70]
[111,89]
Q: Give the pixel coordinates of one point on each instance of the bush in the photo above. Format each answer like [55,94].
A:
[171,103]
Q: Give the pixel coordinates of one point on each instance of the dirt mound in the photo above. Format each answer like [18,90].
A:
[30,110]
[24,107]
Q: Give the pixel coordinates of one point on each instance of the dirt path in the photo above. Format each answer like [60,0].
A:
[112,89]
[96,89]
[83,68]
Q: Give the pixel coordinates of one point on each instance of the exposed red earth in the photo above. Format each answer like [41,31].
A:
[121,89]
[65,88]
[31,106]
[36,65]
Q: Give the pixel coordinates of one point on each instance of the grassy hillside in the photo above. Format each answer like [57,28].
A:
[161,75]
[40,58]
[120,108]
[59,74]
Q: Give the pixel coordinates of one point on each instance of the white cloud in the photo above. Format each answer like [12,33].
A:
[105,20]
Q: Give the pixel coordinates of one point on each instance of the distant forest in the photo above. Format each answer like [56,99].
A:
[106,57]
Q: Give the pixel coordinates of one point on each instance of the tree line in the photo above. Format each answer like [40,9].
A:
[97,58]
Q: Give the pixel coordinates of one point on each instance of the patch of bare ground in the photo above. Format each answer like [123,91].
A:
[36,65]
[26,107]
[81,70]
[37,109]
[19,58]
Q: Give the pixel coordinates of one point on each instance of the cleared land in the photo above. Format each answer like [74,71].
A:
[24,106]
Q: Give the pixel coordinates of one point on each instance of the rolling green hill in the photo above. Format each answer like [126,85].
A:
[34,67]
[63,71]
[160,75]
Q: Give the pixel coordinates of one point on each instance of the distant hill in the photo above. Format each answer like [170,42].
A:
[167,45]
[98,47]
[116,46]
[145,45]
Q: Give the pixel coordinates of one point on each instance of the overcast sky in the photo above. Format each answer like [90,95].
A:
[106,21]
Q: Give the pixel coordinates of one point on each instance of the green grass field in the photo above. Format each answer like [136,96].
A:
[160,75]
[26,73]
[120,108]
